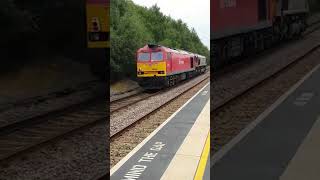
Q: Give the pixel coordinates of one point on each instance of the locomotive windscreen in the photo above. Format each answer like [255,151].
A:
[143,56]
[157,56]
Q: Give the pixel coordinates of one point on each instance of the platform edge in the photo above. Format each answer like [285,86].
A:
[225,149]
[123,160]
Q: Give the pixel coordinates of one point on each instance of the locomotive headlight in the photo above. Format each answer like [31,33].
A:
[140,71]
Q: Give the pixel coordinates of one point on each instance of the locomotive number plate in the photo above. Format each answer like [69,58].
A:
[228,3]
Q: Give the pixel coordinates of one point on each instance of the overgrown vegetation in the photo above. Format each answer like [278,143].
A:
[133,26]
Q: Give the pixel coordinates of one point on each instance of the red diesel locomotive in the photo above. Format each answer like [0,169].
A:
[159,66]
[240,27]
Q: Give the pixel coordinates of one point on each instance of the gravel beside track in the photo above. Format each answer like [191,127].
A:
[312,28]
[235,82]
[122,144]
[125,95]
[122,103]
[36,106]
[61,135]
[17,138]
[129,115]
[82,155]
[315,18]
[230,119]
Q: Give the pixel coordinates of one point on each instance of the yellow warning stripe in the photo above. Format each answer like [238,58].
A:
[203,160]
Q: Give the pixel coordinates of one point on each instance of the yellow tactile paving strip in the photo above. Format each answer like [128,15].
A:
[185,163]
[203,160]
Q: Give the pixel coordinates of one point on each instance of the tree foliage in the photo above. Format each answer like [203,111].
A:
[133,26]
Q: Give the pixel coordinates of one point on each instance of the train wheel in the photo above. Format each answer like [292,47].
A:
[276,33]
[219,55]
[171,81]
[261,41]
[176,79]
[167,82]
[301,29]
[285,32]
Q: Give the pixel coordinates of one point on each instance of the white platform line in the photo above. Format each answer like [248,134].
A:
[225,149]
[123,160]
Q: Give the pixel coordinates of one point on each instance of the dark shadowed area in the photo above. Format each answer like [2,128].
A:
[43,45]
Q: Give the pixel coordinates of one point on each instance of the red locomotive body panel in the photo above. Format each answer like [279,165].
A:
[159,66]
[240,27]
[175,61]
[229,17]
[180,63]
[233,14]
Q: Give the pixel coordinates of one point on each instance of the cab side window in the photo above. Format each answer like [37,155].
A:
[169,56]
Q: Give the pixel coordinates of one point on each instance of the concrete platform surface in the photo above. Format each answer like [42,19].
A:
[178,149]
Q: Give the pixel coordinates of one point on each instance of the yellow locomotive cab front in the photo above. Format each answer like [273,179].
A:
[151,69]
[151,64]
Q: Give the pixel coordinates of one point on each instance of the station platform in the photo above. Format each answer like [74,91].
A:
[177,149]
[282,143]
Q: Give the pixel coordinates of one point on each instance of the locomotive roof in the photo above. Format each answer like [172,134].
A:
[200,56]
[170,49]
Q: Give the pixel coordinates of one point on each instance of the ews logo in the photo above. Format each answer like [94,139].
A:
[228,3]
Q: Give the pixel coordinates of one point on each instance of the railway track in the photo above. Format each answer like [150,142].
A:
[28,123]
[236,115]
[128,94]
[239,108]
[30,133]
[253,86]
[315,26]
[53,102]
[241,63]
[122,103]
[130,100]
[132,97]
[86,86]
[312,27]
[130,136]
[129,125]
